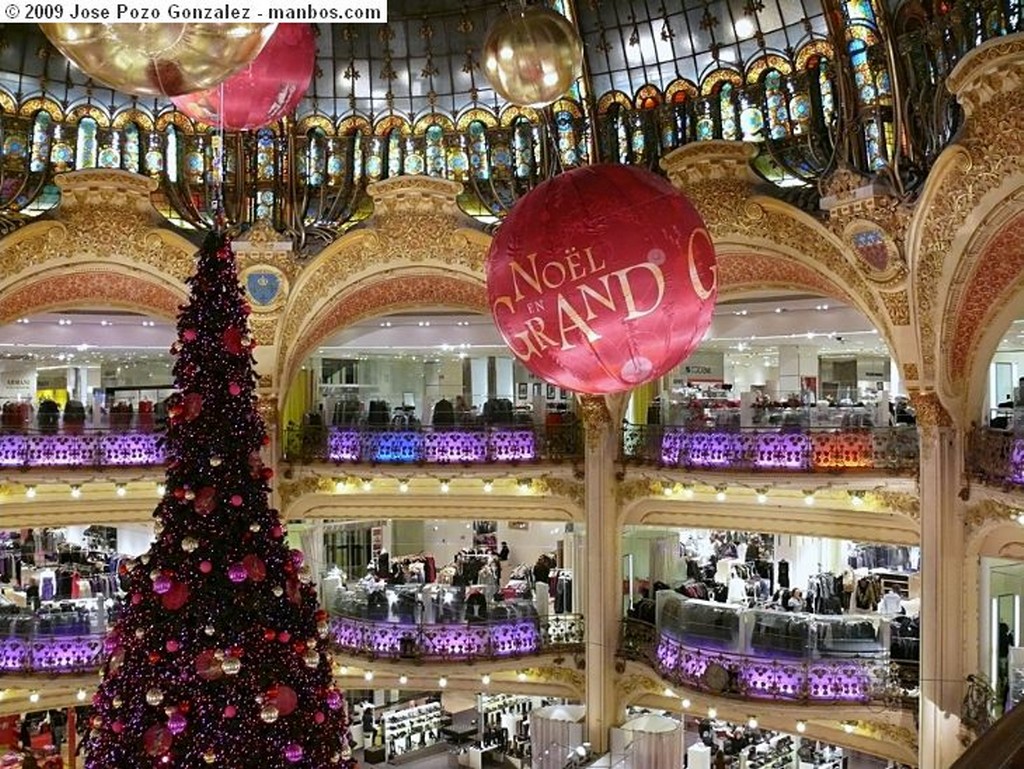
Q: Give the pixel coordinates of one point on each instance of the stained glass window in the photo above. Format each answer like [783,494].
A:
[315,163]
[40,142]
[522,145]
[860,10]
[620,136]
[85,157]
[375,162]
[873,146]
[265,154]
[478,159]
[395,152]
[727,107]
[130,155]
[828,106]
[637,139]
[751,120]
[705,123]
[566,139]
[358,159]
[110,153]
[436,158]
[154,156]
[775,101]
[667,127]
[172,153]
[265,204]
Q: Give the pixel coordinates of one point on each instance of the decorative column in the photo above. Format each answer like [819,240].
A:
[942,604]
[602,417]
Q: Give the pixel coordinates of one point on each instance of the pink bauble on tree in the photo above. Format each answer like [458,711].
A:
[264,92]
[602,278]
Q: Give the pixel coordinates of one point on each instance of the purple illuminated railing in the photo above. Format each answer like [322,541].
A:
[835,679]
[458,642]
[450,445]
[892,449]
[92,448]
[51,654]
[996,456]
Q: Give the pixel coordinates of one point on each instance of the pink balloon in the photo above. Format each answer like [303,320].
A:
[270,88]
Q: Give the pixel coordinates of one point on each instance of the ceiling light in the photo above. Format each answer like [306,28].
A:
[849,727]
[667,491]
[801,726]
[687,491]
[762,496]
[808,497]
[856,498]
[520,676]
[161,489]
[488,486]
[442,682]
[367,484]
[403,486]
[525,485]
[30,492]
[121,490]
[81,695]
[403,679]
[368,675]
[720,494]
[34,696]
[76,492]
[339,487]
[668,692]
[686,703]
[712,713]
[752,722]
[445,486]
[485,679]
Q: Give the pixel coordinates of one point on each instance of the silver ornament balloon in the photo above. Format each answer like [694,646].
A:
[532,57]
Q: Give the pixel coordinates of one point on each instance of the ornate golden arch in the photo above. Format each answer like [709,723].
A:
[399,291]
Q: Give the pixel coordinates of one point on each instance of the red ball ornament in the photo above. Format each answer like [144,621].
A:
[208,666]
[255,567]
[154,657]
[172,645]
[236,500]
[234,388]
[285,699]
[319,717]
[193,404]
[206,500]
[189,335]
[269,634]
[232,340]
[117,727]
[284,636]
[175,598]
[267,90]
[205,567]
[602,278]
[230,711]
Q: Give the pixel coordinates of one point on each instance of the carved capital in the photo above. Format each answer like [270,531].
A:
[289,491]
[988,511]
[899,502]
[266,405]
[597,420]
[560,487]
[992,68]
[929,409]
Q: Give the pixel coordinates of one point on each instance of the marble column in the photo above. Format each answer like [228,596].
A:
[942,598]
[602,418]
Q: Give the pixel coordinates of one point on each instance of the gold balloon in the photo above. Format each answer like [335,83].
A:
[159,59]
[533,56]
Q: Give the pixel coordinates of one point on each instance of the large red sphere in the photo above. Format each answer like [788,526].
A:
[602,278]
[270,88]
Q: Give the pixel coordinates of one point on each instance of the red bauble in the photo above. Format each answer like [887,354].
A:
[264,92]
[255,568]
[206,500]
[193,403]
[285,700]
[176,597]
[208,666]
[232,340]
[602,278]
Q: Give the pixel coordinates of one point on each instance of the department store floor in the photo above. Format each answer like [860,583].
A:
[446,760]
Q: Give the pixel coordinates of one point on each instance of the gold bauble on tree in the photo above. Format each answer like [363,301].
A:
[159,59]
[532,56]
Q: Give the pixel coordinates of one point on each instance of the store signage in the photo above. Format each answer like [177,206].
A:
[602,278]
[697,369]
[18,384]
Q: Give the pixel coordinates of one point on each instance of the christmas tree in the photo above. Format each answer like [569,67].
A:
[219,658]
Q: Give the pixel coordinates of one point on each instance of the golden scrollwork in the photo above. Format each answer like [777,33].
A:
[929,409]
[632,685]
[901,502]
[988,511]
[266,405]
[887,732]
[103,214]
[262,245]
[636,488]
[264,328]
[560,487]
[911,372]
[574,679]
[289,491]
[897,305]
[595,417]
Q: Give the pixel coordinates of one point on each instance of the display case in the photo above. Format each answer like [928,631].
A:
[411,728]
[700,624]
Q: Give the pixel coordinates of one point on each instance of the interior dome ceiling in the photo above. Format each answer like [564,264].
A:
[429,60]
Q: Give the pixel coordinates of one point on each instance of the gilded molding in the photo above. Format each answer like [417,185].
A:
[631,686]
[929,410]
[289,491]
[900,502]
[102,215]
[574,679]
[595,417]
[264,328]
[638,488]
[887,732]
[560,487]
[897,305]
[266,405]
[988,511]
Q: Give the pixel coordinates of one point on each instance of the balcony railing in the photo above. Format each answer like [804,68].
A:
[64,642]
[465,641]
[848,679]
[890,449]
[81,448]
[433,445]
[996,457]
